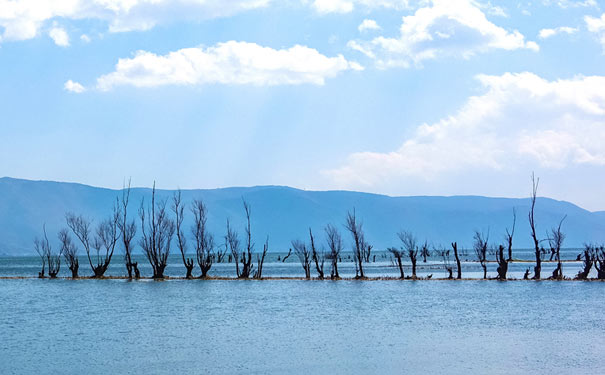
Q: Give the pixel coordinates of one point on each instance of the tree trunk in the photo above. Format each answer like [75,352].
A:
[400,267]
[459,268]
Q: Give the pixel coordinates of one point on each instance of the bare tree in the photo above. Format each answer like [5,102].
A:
[599,261]
[318,257]
[555,240]
[221,252]
[70,252]
[232,240]
[204,241]
[260,260]
[398,254]
[179,211]
[589,259]
[104,241]
[359,244]
[156,234]
[480,247]
[335,246]
[502,263]
[424,251]
[43,248]
[410,245]
[304,255]
[246,254]
[458,266]
[445,255]
[40,245]
[128,230]
[509,236]
[532,225]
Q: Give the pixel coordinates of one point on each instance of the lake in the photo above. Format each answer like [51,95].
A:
[300,327]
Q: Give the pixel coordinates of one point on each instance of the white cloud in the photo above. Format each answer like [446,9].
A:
[22,19]
[72,86]
[347,6]
[572,3]
[597,26]
[547,33]
[368,25]
[85,38]
[521,122]
[333,6]
[59,36]
[447,28]
[227,63]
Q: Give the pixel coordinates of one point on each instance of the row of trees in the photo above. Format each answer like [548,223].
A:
[159,225]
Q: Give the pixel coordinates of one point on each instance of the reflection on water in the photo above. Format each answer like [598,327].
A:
[300,327]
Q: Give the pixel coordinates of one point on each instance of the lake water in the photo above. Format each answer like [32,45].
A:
[296,326]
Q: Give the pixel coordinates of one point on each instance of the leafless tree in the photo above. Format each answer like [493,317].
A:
[458,266]
[599,261]
[318,257]
[398,254]
[359,244]
[70,252]
[40,245]
[43,248]
[304,255]
[204,241]
[335,246]
[221,252]
[410,245]
[589,259]
[260,260]
[128,230]
[232,240]
[246,255]
[532,225]
[179,211]
[509,236]
[502,263]
[156,234]
[555,240]
[424,251]
[480,247]
[287,256]
[104,241]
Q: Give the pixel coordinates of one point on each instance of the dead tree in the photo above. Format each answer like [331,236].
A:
[220,254]
[128,230]
[156,234]
[246,255]
[398,254]
[204,241]
[599,262]
[410,245]
[509,236]
[104,241]
[287,256]
[304,255]
[532,225]
[588,261]
[179,211]
[480,247]
[359,244]
[555,240]
[232,240]
[502,263]
[43,248]
[458,266]
[335,246]
[40,245]
[260,260]
[445,255]
[70,252]
[424,251]
[318,258]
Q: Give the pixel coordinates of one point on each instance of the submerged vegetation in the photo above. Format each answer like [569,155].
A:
[161,225]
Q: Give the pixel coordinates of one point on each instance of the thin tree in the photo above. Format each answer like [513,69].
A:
[304,255]
[445,255]
[128,230]
[599,262]
[480,247]
[502,263]
[43,248]
[458,266]
[246,255]
[532,225]
[178,209]
[70,252]
[509,236]
[410,245]
[589,259]
[359,244]
[204,241]
[398,254]
[555,240]
[335,246]
[318,257]
[156,234]
[40,245]
[260,260]
[424,251]
[232,240]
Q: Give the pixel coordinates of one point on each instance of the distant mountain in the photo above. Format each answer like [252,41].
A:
[284,214]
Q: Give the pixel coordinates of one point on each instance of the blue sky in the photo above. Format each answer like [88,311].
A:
[389,96]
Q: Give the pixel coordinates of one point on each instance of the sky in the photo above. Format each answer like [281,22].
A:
[398,97]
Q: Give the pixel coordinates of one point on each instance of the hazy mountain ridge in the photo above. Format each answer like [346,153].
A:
[285,213]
